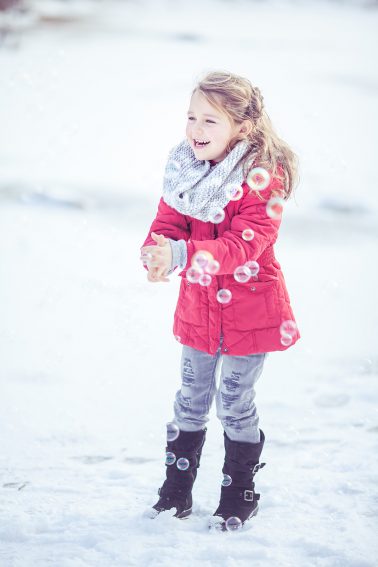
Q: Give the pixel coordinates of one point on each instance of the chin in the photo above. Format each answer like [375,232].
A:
[204,155]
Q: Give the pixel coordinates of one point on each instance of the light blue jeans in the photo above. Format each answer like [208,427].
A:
[234,396]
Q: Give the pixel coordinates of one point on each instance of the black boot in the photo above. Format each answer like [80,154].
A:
[238,497]
[182,461]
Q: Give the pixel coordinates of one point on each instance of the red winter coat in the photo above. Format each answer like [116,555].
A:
[250,322]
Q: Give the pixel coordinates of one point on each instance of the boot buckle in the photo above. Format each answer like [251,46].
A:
[257,467]
[249,495]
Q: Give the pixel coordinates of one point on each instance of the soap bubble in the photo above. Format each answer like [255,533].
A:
[274,207]
[253,266]
[200,259]
[205,279]
[227,480]
[146,258]
[258,179]
[212,267]
[288,328]
[224,296]
[286,340]
[233,523]
[170,458]
[248,234]
[182,464]
[193,274]
[242,274]
[172,431]
[234,193]
[217,215]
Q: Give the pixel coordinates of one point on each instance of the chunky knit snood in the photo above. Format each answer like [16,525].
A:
[193,187]
[196,188]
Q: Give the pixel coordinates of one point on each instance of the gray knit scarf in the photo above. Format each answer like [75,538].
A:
[193,187]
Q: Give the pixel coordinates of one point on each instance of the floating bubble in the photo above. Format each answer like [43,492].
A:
[227,480]
[172,431]
[224,296]
[170,458]
[234,193]
[212,267]
[253,266]
[286,340]
[274,207]
[242,274]
[205,279]
[193,274]
[217,215]
[146,258]
[182,464]
[233,523]
[248,234]
[258,178]
[288,328]
[200,259]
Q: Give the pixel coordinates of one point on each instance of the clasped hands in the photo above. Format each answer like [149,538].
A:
[157,258]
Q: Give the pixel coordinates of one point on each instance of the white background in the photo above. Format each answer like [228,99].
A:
[92,97]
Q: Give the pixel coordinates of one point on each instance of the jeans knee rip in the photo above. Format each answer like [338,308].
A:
[228,400]
[232,382]
[187,373]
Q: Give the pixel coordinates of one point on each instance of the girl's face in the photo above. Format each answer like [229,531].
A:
[208,130]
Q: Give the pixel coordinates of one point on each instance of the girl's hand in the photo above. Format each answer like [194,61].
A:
[155,275]
[159,258]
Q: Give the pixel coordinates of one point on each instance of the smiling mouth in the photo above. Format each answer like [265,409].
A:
[200,143]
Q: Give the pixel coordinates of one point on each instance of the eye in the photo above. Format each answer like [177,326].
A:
[190,117]
[210,121]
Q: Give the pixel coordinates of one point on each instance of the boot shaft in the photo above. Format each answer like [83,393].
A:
[242,460]
[238,497]
[182,461]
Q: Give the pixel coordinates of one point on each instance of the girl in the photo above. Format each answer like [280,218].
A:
[218,220]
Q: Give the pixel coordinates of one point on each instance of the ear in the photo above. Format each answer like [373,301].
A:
[245,127]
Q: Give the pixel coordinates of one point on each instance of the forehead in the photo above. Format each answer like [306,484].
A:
[200,104]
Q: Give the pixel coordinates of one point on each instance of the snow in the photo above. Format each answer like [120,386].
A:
[88,111]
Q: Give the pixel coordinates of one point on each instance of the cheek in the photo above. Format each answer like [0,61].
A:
[221,136]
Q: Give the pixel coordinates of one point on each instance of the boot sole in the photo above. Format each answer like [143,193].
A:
[221,524]
[152,513]
[184,514]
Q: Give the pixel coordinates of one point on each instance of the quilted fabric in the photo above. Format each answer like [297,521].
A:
[250,322]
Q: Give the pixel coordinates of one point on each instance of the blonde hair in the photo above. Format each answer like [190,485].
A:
[236,97]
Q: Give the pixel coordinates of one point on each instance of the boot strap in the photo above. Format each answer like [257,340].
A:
[257,467]
[250,495]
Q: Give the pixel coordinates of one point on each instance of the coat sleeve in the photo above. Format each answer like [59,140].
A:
[168,222]
[230,249]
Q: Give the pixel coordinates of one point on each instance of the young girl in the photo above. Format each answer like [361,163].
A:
[217,220]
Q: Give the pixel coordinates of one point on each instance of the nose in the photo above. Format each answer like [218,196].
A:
[198,134]
[198,129]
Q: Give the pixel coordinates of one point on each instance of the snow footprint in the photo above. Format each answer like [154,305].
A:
[91,459]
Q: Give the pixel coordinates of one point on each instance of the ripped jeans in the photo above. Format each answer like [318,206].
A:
[234,396]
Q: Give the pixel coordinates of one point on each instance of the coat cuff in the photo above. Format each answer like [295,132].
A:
[179,254]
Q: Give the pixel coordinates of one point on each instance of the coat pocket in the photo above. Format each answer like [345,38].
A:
[190,308]
[255,304]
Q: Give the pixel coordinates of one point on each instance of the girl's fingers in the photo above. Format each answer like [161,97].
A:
[154,277]
[156,263]
[159,238]
[151,250]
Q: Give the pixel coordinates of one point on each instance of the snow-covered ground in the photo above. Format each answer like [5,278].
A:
[89,108]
